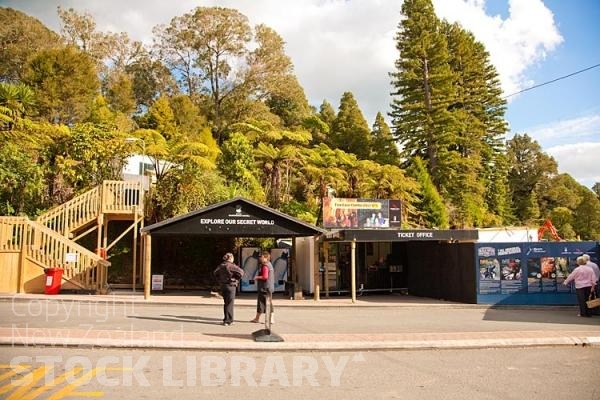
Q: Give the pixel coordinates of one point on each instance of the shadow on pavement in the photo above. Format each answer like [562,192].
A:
[181,318]
[551,315]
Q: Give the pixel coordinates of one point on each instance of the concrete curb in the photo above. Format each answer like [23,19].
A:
[25,337]
[317,346]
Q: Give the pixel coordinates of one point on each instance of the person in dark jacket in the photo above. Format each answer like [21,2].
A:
[265,285]
[228,276]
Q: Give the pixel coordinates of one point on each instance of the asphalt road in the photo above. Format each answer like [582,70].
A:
[513,373]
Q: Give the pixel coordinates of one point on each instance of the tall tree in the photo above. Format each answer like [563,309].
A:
[203,46]
[423,91]
[431,212]
[383,145]
[65,83]
[530,170]
[21,36]
[350,131]
[479,111]
[237,165]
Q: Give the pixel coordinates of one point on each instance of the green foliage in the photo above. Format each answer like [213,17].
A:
[350,131]
[431,211]
[21,181]
[383,145]
[86,156]
[587,217]
[236,164]
[237,123]
[65,83]
[528,175]
[185,190]
[21,36]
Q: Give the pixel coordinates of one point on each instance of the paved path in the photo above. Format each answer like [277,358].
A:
[191,321]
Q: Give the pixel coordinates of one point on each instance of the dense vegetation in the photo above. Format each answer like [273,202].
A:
[218,98]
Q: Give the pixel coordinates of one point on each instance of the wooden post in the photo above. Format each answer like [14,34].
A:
[147,265]
[317,272]
[353,270]
[22,257]
[135,243]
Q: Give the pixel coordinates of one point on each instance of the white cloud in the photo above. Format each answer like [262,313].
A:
[515,43]
[554,133]
[580,160]
[339,46]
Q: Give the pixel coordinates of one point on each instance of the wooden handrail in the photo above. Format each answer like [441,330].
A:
[114,197]
[122,196]
[49,249]
[73,214]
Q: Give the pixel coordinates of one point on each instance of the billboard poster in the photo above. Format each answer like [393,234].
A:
[361,213]
[528,273]
[489,275]
[249,263]
[500,270]
[564,266]
[279,259]
[511,275]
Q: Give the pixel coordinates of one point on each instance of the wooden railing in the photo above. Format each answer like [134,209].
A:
[73,214]
[113,197]
[122,197]
[48,249]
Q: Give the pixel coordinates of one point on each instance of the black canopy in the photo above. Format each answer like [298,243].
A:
[237,217]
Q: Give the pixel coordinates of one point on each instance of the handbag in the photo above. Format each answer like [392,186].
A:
[593,302]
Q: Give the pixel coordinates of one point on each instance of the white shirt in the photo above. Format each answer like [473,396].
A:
[595,268]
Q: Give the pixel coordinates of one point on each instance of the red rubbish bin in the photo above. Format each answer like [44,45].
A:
[53,280]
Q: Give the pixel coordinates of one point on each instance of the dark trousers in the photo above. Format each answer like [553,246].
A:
[263,297]
[228,293]
[583,295]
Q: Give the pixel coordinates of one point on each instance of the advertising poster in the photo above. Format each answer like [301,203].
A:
[361,213]
[548,271]
[564,265]
[279,259]
[249,263]
[529,273]
[489,276]
[511,277]
[534,275]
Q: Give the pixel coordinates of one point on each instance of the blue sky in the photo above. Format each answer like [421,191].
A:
[338,46]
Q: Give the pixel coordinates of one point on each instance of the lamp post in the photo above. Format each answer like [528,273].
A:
[141,199]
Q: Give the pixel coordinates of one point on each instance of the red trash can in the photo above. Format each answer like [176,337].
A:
[53,280]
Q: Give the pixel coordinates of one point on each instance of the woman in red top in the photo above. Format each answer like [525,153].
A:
[265,284]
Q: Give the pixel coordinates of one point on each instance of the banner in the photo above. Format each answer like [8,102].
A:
[361,213]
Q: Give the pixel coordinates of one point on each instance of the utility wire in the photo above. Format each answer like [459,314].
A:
[552,81]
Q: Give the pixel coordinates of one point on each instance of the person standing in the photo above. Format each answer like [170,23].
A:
[228,276]
[265,284]
[584,279]
[593,266]
[596,270]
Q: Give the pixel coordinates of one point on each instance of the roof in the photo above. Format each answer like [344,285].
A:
[237,217]
[402,235]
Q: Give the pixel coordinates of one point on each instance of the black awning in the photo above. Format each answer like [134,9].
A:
[402,235]
[237,217]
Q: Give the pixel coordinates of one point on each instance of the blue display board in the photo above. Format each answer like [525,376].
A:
[528,273]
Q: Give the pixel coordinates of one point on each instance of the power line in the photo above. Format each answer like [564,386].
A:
[552,81]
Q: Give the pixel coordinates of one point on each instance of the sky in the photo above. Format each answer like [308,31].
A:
[348,45]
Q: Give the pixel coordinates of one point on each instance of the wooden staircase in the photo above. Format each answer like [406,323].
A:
[49,241]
